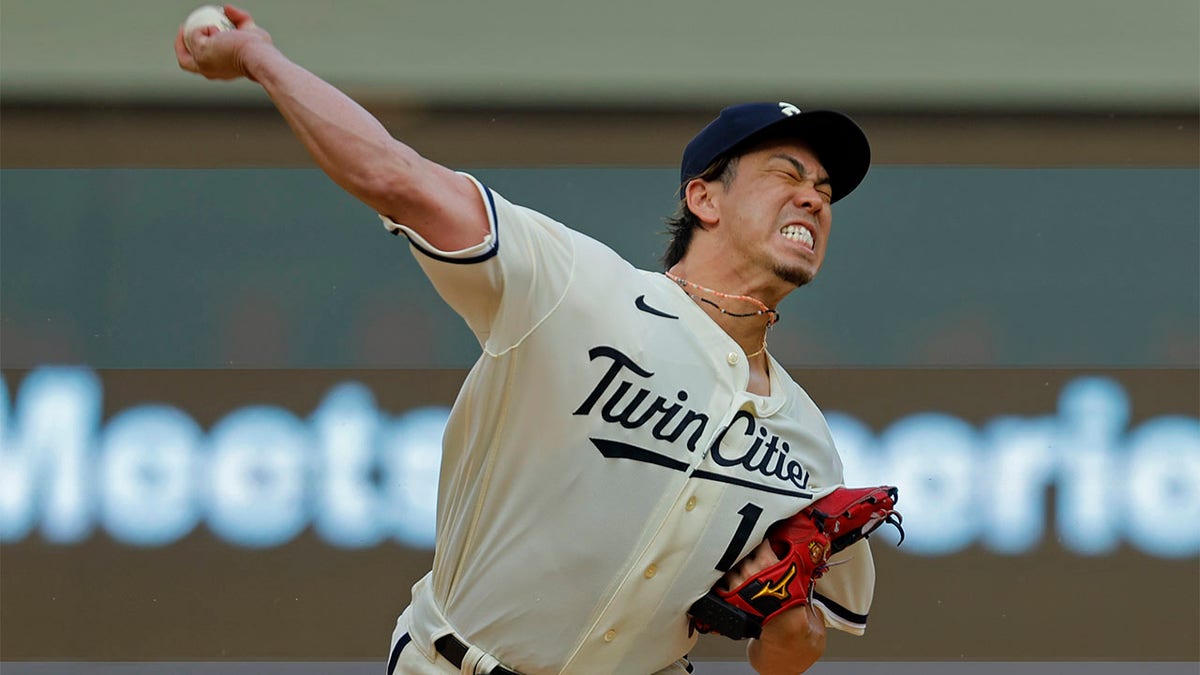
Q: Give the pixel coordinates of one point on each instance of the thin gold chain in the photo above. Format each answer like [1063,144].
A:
[772,315]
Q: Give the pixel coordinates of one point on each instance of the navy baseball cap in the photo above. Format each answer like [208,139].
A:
[840,145]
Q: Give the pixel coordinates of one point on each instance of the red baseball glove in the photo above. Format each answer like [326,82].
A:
[803,544]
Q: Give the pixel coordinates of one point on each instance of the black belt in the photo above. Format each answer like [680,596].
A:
[455,651]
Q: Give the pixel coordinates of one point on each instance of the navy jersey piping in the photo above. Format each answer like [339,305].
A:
[842,612]
[495,248]
[395,656]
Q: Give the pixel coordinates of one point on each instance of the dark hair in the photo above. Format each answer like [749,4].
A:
[682,225]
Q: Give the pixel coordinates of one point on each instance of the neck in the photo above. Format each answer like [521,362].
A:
[721,271]
[743,317]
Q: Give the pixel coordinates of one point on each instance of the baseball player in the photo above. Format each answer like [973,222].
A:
[625,440]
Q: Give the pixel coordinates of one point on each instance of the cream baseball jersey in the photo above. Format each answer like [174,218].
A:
[604,464]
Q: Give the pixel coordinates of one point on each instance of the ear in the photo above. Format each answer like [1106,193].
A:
[704,200]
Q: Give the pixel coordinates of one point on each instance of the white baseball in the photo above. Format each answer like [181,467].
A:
[208,15]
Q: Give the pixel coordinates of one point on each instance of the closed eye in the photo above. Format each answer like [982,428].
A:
[824,187]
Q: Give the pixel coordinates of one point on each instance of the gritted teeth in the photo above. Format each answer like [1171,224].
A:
[798,233]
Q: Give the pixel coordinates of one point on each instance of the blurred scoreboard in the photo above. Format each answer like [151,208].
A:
[206,514]
[227,451]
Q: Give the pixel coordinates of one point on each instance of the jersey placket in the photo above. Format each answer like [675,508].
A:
[653,573]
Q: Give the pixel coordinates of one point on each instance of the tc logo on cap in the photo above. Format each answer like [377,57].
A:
[788,109]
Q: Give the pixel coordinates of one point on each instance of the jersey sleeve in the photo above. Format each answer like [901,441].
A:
[509,282]
[845,592]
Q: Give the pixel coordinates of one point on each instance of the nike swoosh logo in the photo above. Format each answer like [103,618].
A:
[640,303]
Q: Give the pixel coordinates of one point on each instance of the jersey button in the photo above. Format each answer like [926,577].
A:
[650,571]
[691,503]
[610,636]
[733,358]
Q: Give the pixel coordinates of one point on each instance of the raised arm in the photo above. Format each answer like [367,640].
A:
[346,141]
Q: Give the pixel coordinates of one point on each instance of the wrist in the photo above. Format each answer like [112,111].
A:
[790,643]
[797,624]
[254,59]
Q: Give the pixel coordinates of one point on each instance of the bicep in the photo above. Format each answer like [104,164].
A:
[441,206]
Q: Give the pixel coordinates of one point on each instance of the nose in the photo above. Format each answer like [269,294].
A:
[808,197]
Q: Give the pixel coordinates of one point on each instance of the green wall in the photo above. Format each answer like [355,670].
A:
[279,268]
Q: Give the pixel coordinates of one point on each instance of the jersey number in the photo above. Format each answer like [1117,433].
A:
[750,514]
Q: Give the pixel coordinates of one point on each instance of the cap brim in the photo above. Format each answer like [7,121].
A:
[839,143]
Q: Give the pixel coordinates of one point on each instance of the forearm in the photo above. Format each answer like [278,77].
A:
[345,140]
[791,642]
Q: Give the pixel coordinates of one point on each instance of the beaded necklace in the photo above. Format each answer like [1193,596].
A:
[772,315]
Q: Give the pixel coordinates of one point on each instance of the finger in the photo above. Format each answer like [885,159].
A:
[240,17]
[739,572]
[762,557]
[766,555]
[198,38]
[186,61]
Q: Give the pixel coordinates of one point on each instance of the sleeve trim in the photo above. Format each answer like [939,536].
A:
[841,617]
[490,245]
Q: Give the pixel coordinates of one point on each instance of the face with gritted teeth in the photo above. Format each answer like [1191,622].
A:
[776,211]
